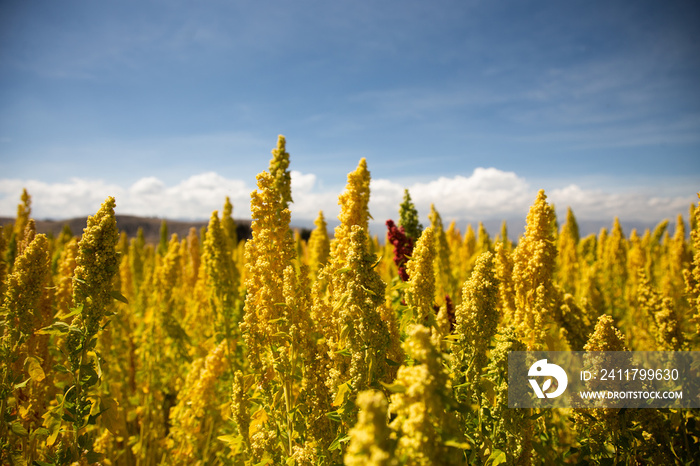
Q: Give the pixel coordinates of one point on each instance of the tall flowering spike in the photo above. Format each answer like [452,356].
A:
[513,429]
[28,237]
[568,271]
[25,286]
[477,319]
[667,329]
[692,274]
[615,268]
[354,208]
[636,255]
[469,243]
[576,322]
[403,247]
[24,212]
[3,262]
[222,275]
[443,269]
[422,409]
[163,243]
[600,244]
[605,336]
[370,439]
[229,224]
[268,254]
[678,257]
[197,411]
[420,294]
[503,236]
[599,424]
[483,241]
[454,241]
[319,245]
[194,257]
[357,292]
[64,279]
[503,264]
[169,273]
[279,165]
[408,217]
[533,268]
[467,254]
[96,265]
[588,247]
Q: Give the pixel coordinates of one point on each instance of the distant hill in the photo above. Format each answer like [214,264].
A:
[130,224]
[151,227]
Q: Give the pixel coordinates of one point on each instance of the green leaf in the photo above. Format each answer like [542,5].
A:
[110,416]
[41,432]
[344,332]
[88,374]
[496,457]
[55,329]
[394,387]
[118,296]
[338,440]
[230,439]
[343,390]
[33,368]
[368,291]
[22,384]
[60,368]
[458,444]
[341,303]
[52,422]
[18,429]
[73,311]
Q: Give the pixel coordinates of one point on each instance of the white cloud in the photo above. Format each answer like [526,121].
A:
[193,198]
[486,194]
[147,186]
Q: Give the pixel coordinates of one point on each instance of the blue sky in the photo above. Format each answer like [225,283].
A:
[473,105]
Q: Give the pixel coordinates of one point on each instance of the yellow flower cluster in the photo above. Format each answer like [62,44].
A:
[279,171]
[354,208]
[477,321]
[96,265]
[319,245]
[25,286]
[422,419]
[692,274]
[370,443]
[444,280]
[420,294]
[196,408]
[533,269]
[268,254]
[361,336]
[513,429]
[299,356]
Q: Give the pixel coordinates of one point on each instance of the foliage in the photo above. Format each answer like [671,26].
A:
[210,350]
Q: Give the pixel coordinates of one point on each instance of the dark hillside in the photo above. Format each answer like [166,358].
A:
[130,224]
